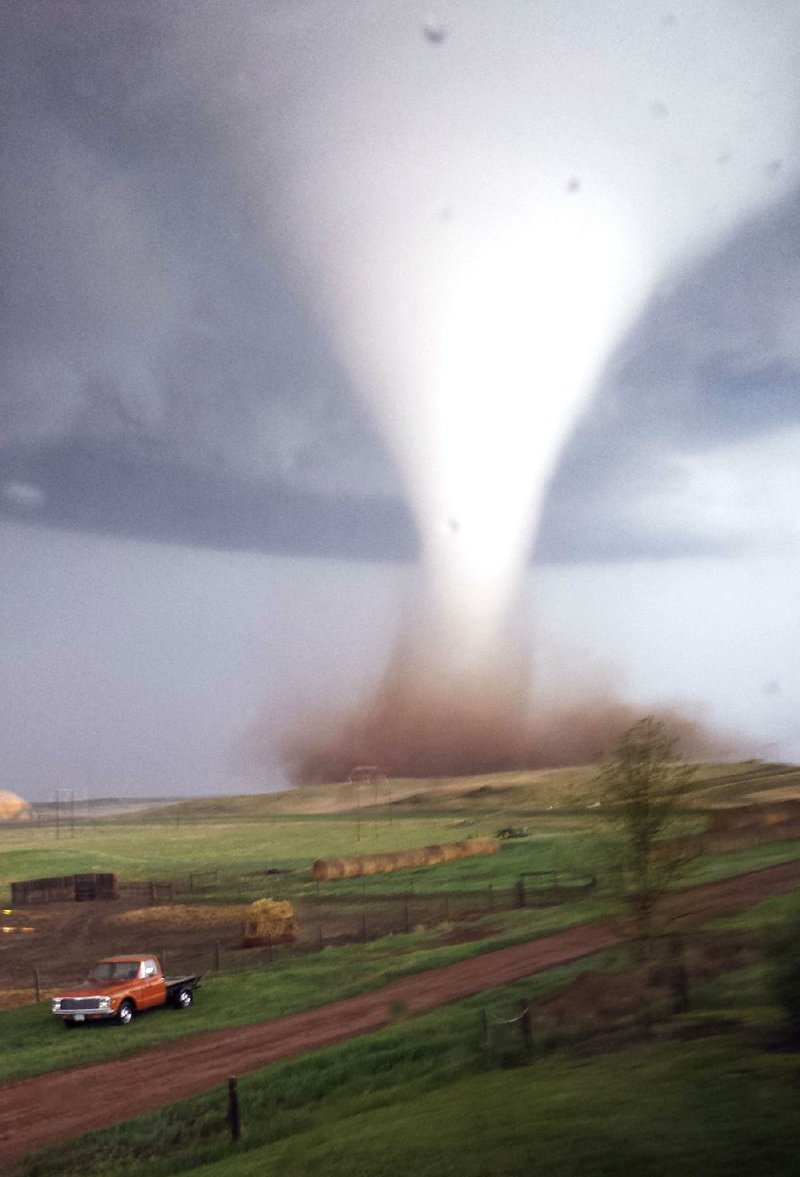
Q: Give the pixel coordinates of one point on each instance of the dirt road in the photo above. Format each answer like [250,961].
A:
[61,1104]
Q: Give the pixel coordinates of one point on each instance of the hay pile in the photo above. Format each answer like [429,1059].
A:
[326,869]
[269,921]
[183,917]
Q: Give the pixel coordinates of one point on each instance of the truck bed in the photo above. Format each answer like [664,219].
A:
[192,981]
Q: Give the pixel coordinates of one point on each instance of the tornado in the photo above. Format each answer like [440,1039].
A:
[475,206]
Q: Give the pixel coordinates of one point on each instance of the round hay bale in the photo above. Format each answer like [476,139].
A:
[324,869]
[451,851]
[372,864]
[480,846]
[13,807]
[351,867]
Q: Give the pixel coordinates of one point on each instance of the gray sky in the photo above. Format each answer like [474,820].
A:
[201,520]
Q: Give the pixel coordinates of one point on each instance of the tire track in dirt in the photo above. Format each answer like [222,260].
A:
[61,1104]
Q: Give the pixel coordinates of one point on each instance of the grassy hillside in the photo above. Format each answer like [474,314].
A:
[521,792]
[418,1097]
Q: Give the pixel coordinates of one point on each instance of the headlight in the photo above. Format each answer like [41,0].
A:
[56,1004]
[105,1003]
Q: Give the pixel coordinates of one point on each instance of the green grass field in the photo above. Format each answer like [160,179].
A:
[242,837]
[417,1095]
[34,1041]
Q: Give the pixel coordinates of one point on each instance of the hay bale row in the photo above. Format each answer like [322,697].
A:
[352,867]
[269,921]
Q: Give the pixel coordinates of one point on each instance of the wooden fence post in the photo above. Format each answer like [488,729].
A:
[364,924]
[234,1120]
[491,897]
[679,977]
[525,1027]
[486,1034]
[37,985]
[216,956]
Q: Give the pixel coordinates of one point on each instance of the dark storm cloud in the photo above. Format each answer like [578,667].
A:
[140,324]
[157,377]
[715,360]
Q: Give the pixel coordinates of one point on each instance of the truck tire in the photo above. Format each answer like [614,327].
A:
[183,998]
[125,1013]
[69,1023]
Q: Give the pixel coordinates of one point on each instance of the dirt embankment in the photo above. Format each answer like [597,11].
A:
[59,1105]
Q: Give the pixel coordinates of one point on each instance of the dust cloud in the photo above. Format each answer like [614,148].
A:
[420,728]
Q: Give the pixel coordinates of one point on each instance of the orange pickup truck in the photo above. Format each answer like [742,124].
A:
[120,986]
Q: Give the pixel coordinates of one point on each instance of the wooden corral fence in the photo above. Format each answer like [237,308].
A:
[764,822]
[65,889]
[327,869]
[541,887]
[149,892]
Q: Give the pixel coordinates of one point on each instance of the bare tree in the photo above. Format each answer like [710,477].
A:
[643,791]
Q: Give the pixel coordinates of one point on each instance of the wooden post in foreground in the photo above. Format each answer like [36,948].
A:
[234,1121]
[487,1036]
[526,1030]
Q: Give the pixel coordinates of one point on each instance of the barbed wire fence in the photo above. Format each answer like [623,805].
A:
[325,919]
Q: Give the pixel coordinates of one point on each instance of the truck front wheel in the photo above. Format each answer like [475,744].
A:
[183,998]
[125,1013]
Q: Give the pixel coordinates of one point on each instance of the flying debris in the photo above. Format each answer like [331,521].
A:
[434,31]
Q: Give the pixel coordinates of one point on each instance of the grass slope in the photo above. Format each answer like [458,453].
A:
[417,1098]
[707,1109]
[35,1042]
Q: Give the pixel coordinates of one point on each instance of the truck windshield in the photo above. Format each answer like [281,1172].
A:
[115,970]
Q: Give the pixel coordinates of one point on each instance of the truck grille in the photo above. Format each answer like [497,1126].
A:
[80,1003]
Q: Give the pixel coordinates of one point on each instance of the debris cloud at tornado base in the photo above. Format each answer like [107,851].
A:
[422,725]
[407,733]
[476,220]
